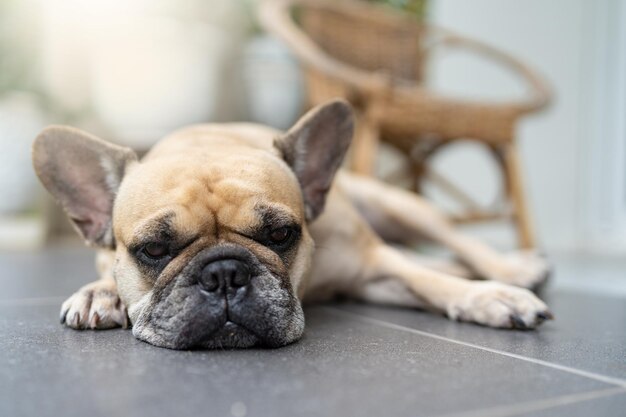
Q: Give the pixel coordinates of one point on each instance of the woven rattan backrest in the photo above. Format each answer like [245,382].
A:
[365,37]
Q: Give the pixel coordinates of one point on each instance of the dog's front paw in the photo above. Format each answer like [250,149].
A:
[524,268]
[95,306]
[500,305]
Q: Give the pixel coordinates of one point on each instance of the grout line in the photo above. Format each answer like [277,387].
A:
[598,377]
[33,301]
[530,406]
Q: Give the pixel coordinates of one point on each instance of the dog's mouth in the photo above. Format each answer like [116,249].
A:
[231,335]
[209,332]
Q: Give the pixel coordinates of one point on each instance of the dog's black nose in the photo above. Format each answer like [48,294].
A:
[225,273]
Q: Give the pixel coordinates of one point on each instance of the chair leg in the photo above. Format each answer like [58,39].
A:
[521,215]
[424,149]
[364,146]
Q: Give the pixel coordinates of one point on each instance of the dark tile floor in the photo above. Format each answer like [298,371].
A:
[354,360]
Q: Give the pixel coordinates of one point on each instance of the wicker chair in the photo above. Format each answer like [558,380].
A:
[374,58]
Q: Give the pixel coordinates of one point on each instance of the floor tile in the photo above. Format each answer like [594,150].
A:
[47,273]
[347,364]
[343,366]
[609,405]
[588,334]
[602,402]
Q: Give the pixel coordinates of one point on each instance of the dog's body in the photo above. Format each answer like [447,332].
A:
[220,232]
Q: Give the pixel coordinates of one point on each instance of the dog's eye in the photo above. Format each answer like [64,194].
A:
[279,239]
[155,250]
[281,235]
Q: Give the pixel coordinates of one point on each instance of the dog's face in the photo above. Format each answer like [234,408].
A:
[210,230]
[212,254]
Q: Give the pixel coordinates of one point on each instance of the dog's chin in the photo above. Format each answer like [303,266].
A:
[204,332]
[231,335]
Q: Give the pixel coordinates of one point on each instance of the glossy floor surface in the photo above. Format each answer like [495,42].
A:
[354,360]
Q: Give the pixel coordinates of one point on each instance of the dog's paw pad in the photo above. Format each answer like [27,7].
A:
[524,268]
[499,305]
[94,306]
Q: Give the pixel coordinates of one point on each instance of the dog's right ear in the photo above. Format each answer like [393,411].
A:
[83,173]
[314,149]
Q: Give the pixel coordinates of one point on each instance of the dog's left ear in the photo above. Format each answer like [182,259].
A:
[315,147]
[83,173]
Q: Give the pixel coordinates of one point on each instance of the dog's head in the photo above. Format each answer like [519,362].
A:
[210,230]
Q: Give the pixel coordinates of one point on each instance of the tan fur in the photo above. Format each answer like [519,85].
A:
[215,200]
[339,253]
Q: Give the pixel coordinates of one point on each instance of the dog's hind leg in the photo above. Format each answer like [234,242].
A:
[97,304]
[402,216]
[391,278]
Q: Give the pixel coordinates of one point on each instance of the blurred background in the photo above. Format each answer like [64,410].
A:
[130,71]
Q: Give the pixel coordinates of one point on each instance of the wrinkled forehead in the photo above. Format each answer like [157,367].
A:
[199,195]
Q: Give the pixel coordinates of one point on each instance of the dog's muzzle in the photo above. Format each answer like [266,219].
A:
[224,297]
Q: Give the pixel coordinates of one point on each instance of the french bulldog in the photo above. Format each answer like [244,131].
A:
[217,236]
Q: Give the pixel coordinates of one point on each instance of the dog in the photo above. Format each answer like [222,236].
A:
[221,232]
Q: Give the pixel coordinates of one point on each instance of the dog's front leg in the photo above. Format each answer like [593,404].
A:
[485,302]
[97,304]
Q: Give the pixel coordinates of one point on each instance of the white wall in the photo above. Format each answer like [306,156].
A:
[604,147]
[551,37]
[142,68]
